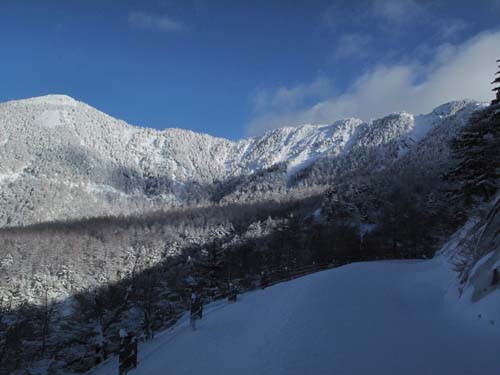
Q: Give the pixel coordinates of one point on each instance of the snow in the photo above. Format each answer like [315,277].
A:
[53,100]
[449,249]
[422,124]
[49,119]
[8,177]
[317,215]
[397,317]
[485,313]
[301,146]
[63,139]
[4,138]
[122,333]
[480,262]
[366,228]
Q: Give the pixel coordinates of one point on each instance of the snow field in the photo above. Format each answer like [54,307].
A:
[366,318]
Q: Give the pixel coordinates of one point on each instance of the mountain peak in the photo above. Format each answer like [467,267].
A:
[84,155]
[450,108]
[52,99]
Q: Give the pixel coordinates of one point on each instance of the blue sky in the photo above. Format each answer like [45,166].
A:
[237,68]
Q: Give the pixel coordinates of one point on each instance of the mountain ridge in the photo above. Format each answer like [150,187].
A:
[443,110]
[100,165]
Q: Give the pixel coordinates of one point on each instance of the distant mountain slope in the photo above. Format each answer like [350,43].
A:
[62,159]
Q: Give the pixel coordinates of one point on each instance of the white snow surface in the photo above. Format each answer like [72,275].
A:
[399,317]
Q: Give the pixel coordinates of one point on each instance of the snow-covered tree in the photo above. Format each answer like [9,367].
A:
[496,82]
[476,148]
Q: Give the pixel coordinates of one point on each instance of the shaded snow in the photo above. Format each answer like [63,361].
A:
[366,318]
[422,124]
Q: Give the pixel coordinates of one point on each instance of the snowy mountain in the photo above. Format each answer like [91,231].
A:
[62,159]
[316,194]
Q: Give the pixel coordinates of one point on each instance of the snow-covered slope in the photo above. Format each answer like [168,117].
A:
[368,318]
[62,159]
[474,250]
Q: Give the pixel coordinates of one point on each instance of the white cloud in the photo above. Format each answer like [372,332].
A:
[451,27]
[456,72]
[376,13]
[154,21]
[362,27]
[352,45]
[290,97]
[396,10]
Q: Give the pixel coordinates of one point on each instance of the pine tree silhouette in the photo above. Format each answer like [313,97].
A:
[496,81]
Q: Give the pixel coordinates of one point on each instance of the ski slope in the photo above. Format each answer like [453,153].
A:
[396,317]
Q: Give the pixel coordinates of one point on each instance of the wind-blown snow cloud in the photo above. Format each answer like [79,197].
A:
[154,21]
[455,72]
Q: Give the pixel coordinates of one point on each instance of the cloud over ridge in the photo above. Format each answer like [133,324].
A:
[455,72]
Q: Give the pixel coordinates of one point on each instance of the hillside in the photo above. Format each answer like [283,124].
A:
[83,163]
[399,317]
[106,225]
[475,252]
[62,159]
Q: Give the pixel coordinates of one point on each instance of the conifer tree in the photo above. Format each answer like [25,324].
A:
[476,150]
[496,82]
[477,173]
